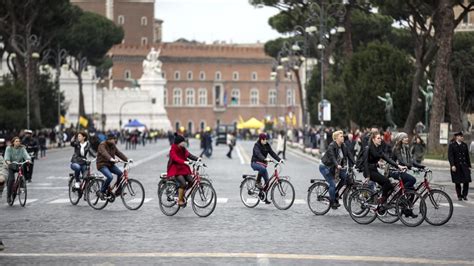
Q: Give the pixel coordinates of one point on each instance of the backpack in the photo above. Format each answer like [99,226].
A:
[361,158]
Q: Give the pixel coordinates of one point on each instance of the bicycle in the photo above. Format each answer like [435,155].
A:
[75,194]
[364,208]
[318,192]
[202,193]
[278,186]
[19,186]
[438,200]
[130,190]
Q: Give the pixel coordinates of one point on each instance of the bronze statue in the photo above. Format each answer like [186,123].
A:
[388,109]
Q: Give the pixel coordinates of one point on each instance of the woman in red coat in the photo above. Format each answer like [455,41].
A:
[178,166]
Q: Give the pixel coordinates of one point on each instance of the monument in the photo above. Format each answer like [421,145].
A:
[388,109]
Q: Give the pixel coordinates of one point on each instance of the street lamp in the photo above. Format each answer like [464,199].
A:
[25,47]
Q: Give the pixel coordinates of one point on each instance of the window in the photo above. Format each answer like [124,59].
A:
[465,19]
[202,125]
[289,97]
[202,75]
[254,76]
[190,75]
[202,97]
[144,21]
[165,97]
[127,74]
[235,75]
[272,97]
[190,127]
[253,97]
[235,97]
[163,74]
[144,40]
[218,75]
[121,20]
[177,75]
[177,97]
[190,97]
[177,124]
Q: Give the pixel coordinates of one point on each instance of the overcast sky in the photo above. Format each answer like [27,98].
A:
[233,21]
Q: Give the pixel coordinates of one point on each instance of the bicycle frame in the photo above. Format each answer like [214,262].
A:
[123,178]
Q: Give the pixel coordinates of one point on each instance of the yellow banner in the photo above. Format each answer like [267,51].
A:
[83,121]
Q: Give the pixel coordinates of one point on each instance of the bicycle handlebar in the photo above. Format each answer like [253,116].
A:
[17,163]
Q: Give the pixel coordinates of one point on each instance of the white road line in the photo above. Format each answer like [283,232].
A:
[299,201]
[470,202]
[29,201]
[274,256]
[222,200]
[48,188]
[241,158]
[39,185]
[251,201]
[59,201]
[454,205]
[149,158]
[58,177]
[138,200]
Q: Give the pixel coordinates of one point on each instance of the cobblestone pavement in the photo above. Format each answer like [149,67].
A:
[49,230]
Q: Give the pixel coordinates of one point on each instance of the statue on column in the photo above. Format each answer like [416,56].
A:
[428,100]
[151,65]
[388,109]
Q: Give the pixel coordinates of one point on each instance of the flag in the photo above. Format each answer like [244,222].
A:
[83,121]
[294,120]
[62,120]
[275,121]
[287,120]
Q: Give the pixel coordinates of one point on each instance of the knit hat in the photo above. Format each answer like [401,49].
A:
[401,136]
[111,135]
[262,136]
[178,139]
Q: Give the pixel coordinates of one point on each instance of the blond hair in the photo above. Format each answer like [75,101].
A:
[336,134]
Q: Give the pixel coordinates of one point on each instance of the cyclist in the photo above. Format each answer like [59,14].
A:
[333,161]
[16,152]
[178,166]
[106,162]
[402,155]
[82,148]
[375,154]
[29,141]
[259,160]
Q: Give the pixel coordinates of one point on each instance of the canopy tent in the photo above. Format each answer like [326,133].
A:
[135,124]
[252,123]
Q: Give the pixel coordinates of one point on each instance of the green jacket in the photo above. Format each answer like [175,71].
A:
[16,154]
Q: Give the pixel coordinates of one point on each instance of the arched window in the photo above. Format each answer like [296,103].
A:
[235,75]
[177,124]
[235,97]
[289,97]
[202,96]
[218,75]
[121,20]
[177,75]
[190,75]
[272,97]
[144,40]
[202,75]
[144,21]
[190,127]
[190,97]
[127,74]
[177,97]
[165,97]
[254,76]
[202,125]
[253,97]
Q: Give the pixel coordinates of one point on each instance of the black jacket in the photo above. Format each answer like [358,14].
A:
[332,156]
[458,155]
[77,157]
[404,157]
[373,157]
[260,152]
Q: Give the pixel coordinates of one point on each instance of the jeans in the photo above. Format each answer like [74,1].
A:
[107,172]
[78,169]
[262,171]
[408,180]
[326,173]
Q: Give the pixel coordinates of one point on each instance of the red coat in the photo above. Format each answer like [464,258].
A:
[176,165]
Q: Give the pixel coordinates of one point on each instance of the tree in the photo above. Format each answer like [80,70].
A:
[371,72]
[462,67]
[89,40]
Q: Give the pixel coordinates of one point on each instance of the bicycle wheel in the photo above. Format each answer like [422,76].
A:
[92,194]
[360,203]
[389,215]
[249,193]
[204,200]
[347,193]
[22,191]
[439,207]
[283,194]
[167,197]
[409,203]
[74,193]
[133,194]
[318,198]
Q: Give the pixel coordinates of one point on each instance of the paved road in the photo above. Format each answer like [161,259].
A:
[52,231]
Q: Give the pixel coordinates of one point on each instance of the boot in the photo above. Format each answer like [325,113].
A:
[258,183]
[181,196]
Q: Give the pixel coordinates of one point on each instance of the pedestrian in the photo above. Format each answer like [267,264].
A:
[281,144]
[418,149]
[460,162]
[3,174]
[230,143]
[42,145]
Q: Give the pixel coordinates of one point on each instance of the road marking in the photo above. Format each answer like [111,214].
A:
[46,188]
[259,256]
[58,177]
[222,200]
[29,201]
[40,184]
[304,156]
[239,154]
[58,201]
[149,158]
[454,205]
[297,201]
[469,202]
[251,201]
[139,200]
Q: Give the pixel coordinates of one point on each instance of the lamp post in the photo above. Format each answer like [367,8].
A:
[25,47]
[57,56]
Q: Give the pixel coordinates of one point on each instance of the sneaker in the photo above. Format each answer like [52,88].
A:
[460,198]
[77,185]
[2,247]
[267,201]
[409,213]
[464,198]
[258,185]
[335,205]
[101,195]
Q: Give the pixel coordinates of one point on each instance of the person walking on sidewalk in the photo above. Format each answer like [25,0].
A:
[230,143]
[281,144]
[460,162]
